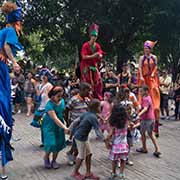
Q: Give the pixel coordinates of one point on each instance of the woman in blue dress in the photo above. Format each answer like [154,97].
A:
[53,127]
[9,44]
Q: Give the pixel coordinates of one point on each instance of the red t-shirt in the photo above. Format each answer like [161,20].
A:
[149,114]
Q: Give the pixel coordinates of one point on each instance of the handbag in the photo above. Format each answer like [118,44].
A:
[38,118]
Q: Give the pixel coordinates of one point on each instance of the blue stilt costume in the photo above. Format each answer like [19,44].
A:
[8,35]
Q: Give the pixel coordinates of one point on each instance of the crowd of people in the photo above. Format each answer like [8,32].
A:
[67,106]
[120,107]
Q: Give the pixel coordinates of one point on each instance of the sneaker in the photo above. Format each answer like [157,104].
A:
[71,159]
[113,176]
[130,163]
[19,111]
[55,165]
[4,177]
[47,164]
[78,176]
[162,117]
[68,142]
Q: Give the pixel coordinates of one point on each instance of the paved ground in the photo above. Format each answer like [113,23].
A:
[28,157]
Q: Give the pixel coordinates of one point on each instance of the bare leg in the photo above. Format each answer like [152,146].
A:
[55,154]
[29,105]
[3,173]
[88,164]
[78,165]
[114,163]
[122,166]
[46,156]
[151,135]
[143,138]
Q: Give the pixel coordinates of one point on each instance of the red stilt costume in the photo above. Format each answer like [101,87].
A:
[91,54]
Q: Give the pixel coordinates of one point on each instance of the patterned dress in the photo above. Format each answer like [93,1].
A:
[119,149]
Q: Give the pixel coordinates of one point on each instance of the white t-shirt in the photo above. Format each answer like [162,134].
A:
[167,81]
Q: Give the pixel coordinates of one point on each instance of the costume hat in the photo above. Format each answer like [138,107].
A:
[13,11]
[94,30]
[150,44]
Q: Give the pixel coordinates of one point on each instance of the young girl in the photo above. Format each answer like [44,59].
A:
[106,107]
[119,147]
[53,127]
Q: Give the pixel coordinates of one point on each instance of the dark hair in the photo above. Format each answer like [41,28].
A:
[120,96]
[93,105]
[54,91]
[118,116]
[145,88]
[126,90]
[84,85]
[125,64]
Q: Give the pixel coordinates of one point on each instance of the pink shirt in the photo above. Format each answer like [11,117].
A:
[106,109]
[149,114]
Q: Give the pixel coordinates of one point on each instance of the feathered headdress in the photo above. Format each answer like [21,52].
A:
[150,44]
[13,11]
[93,30]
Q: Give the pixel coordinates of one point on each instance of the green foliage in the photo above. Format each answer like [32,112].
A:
[54,28]
[36,47]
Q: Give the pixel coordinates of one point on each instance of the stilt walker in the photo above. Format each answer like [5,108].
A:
[9,44]
[148,75]
[91,55]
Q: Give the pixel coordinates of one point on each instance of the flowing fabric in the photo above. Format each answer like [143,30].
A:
[149,66]
[5,113]
[89,69]
[7,35]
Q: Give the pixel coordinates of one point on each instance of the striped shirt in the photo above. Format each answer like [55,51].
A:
[77,105]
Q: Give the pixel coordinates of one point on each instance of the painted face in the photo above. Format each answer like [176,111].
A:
[147,50]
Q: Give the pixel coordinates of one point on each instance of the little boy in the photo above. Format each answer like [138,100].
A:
[147,117]
[87,121]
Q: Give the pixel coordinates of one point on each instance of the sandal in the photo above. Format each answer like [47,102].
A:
[157,154]
[92,176]
[141,150]
[122,176]
[78,176]
[113,176]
